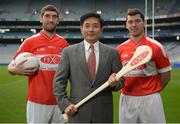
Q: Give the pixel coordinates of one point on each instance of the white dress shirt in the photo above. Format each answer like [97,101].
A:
[88,51]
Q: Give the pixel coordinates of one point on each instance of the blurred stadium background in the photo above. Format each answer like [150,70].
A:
[19,20]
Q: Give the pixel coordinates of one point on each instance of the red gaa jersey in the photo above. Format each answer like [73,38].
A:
[144,79]
[40,85]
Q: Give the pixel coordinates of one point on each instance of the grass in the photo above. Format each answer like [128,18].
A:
[171,98]
[13,91]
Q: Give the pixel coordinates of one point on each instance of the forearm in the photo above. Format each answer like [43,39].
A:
[61,94]
[165,78]
[60,84]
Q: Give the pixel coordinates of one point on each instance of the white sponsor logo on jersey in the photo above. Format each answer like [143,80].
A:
[41,49]
[125,55]
[51,47]
[49,61]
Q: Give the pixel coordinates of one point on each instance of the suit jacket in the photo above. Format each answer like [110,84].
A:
[73,67]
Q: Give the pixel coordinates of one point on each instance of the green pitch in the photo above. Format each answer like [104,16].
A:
[13,91]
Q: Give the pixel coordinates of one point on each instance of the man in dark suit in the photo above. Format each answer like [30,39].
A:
[85,76]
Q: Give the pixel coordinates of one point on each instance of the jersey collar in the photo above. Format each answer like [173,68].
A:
[140,41]
[46,36]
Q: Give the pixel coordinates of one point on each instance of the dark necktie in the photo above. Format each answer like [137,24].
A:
[92,63]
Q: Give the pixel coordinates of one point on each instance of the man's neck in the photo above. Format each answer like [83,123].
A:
[49,34]
[137,38]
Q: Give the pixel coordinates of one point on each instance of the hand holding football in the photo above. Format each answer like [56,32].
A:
[31,60]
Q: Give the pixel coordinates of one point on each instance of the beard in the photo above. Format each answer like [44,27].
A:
[50,29]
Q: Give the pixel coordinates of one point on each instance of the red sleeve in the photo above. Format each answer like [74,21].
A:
[24,47]
[161,58]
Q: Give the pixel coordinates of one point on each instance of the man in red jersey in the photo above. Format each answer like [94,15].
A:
[46,45]
[140,100]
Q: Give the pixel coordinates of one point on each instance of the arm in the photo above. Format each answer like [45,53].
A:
[18,69]
[164,78]
[60,81]
[163,65]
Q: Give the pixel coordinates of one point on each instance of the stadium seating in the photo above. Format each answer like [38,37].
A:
[111,9]
[20,17]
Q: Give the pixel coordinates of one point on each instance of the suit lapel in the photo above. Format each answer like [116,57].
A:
[82,58]
[102,61]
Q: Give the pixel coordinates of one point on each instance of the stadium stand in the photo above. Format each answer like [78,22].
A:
[175,8]
[111,9]
[7,51]
[19,20]
[173,50]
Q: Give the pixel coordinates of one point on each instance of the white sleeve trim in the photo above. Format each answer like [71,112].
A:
[165,69]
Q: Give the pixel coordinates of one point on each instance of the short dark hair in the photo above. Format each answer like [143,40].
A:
[135,11]
[49,8]
[88,15]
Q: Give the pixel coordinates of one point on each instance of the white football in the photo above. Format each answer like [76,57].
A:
[32,60]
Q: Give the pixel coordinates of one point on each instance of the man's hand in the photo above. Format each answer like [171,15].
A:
[117,84]
[20,70]
[113,81]
[70,110]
